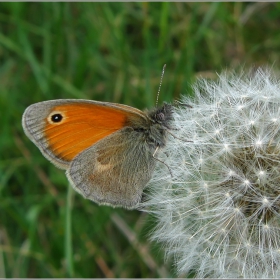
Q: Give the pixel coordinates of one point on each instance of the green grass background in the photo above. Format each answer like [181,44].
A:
[112,52]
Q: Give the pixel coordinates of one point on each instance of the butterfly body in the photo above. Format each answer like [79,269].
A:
[106,148]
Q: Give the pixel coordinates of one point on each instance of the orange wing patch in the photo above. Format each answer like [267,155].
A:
[80,127]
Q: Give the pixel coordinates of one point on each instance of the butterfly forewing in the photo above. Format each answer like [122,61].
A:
[64,128]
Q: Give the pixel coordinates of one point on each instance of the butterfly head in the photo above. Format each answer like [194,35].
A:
[160,121]
[162,115]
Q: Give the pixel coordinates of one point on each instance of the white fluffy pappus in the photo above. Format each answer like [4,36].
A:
[219,214]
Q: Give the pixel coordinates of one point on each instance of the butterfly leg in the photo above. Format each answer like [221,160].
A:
[169,169]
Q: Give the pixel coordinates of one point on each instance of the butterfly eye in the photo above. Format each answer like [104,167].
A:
[161,116]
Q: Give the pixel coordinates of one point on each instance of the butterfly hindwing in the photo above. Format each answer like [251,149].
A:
[114,171]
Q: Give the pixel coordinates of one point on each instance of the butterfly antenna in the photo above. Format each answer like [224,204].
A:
[162,73]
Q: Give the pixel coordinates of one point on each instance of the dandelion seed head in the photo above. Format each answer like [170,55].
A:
[218,216]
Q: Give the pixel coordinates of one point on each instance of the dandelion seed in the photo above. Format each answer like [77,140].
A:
[237,210]
[246,182]
[227,194]
[266,226]
[226,147]
[265,201]
[258,143]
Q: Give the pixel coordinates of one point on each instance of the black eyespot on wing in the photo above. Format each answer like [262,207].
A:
[56,118]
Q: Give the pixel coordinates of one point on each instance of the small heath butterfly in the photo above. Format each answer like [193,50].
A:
[107,149]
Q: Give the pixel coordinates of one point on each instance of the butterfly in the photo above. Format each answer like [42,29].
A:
[107,149]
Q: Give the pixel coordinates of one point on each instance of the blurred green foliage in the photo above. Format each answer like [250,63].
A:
[112,52]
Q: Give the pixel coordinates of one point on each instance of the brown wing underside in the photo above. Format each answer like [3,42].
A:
[114,171]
